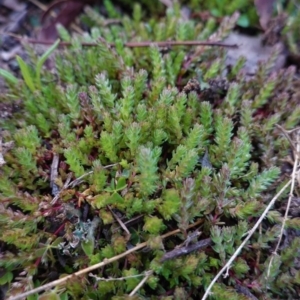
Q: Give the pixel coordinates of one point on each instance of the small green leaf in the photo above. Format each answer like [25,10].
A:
[57,241]
[112,186]
[107,251]
[40,252]
[115,198]
[6,278]
[32,297]
[101,200]
[121,184]
[49,296]
[216,12]
[88,246]
[153,225]
[64,296]
[42,60]
[153,282]
[26,73]
[8,76]
[243,21]
[131,283]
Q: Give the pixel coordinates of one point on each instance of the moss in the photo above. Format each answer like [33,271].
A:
[116,147]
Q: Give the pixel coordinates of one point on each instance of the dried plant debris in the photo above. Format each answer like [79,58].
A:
[273,34]
[68,13]
[192,86]
[121,157]
[254,52]
[4,147]
[265,10]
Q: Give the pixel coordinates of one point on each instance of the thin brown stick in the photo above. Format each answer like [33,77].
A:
[132,44]
[128,222]
[120,223]
[186,250]
[292,130]
[96,266]
[177,43]
[285,133]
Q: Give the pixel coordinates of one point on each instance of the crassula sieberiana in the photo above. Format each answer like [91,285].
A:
[166,151]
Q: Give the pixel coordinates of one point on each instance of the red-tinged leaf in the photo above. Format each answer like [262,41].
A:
[264,9]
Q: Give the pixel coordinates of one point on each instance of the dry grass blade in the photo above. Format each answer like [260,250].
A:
[121,224]
[4,147]
[294,178]
[148,274]
[251,232]
[264,10]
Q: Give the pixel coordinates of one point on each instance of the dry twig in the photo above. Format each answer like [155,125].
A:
[286,134]
[132,44]
[115,279]
[65,186]
[147,275]
[237,251]
[186,250]
[54,169]
[105,262]
[128,235]
[294,177]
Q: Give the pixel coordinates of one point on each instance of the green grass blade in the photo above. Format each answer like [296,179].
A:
[8,76]
[42,60]
[25,73]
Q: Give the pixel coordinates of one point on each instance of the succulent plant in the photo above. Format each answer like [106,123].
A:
[124,154]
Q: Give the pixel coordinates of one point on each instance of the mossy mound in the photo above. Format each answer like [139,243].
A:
[120,147]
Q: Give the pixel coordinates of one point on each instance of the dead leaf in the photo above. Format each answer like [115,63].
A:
[253,50]
[14,5]
[273,34]
[70,10]
[4,147]
[8,55]
[264,9]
